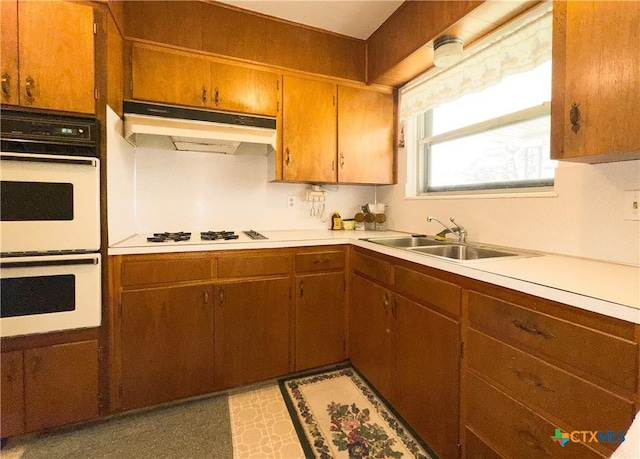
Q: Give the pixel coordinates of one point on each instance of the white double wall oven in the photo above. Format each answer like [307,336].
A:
[50,268]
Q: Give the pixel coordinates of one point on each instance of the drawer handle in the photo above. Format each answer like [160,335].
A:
[530,379]
[221,295]
[385,302]
[531,441]
[532,329]
[301,289]
[6,85]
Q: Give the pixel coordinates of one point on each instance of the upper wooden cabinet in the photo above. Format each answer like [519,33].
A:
[48,55]
[309,130]
[179,78]
[365,136]
[596,88]
[336,133]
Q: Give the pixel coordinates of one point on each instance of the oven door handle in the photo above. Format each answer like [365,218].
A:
[42,159]
[36,263]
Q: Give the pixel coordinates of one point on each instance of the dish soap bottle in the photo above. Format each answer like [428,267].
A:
[336,221]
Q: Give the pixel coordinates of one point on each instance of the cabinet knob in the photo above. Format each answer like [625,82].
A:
[6,85]
[206,297]
[221,295]
[204,95]
[287,160]
[574,117]
[301,289]
[216,97]
[385,302]
[341,160]
[29,87]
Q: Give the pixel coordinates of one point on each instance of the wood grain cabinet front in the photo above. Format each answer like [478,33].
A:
[596,89]
[309,130]
[166,344]
[320,308]
[48,387]
[365,136]
[48,55]
[11,394]
[161,75]
[252,331]
[533,366]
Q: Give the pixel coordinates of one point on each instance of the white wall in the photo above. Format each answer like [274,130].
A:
[154,190]
[585,219]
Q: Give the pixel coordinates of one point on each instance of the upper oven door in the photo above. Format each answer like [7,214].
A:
[49,203]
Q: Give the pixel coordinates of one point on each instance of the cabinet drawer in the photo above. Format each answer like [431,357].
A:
[161,271]
[249,266]
[372,267]
[428,289]
[577,402]
[512,429]
[475,448]
[319,261]
[602,355]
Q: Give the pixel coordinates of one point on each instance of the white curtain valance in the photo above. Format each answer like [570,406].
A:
[521,45]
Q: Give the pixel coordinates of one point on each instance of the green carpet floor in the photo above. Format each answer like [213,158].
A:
[194,429]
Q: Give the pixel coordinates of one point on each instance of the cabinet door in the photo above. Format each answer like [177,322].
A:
[320,320]
[56,56]
[60,384]
[309,130]
[159,76]
[597,72]
[370,334]
[9,49]
[244,90]
[365,136]
[252,331]
[428,374]
[167,344]
[11,393]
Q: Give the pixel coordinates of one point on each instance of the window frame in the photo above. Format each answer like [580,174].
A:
[424,140]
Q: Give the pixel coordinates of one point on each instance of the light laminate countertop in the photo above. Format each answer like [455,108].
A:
[606,288]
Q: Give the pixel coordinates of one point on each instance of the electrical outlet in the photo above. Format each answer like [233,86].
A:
[632,205]
[291,202]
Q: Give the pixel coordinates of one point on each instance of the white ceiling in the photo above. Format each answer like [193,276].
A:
[354,18]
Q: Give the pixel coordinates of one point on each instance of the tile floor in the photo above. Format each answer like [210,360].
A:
[261,426]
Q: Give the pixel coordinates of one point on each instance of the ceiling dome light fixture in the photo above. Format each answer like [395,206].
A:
[447,50]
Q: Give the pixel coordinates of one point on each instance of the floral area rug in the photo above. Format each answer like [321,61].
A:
[337,415]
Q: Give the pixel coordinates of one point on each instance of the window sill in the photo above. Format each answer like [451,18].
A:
[485,195]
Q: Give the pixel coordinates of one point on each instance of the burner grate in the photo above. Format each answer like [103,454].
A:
[217,235]
[169,237]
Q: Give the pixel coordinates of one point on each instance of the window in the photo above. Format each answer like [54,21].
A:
[483,125]
[494,139]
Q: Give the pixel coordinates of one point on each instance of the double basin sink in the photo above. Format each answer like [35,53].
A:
[456,251]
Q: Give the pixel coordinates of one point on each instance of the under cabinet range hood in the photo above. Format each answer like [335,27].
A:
[188,129]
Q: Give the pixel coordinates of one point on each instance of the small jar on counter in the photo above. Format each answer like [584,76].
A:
[348,224]
[336,221]
[359,221]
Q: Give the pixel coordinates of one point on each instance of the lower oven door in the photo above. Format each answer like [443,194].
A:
[49,203]
[49,293]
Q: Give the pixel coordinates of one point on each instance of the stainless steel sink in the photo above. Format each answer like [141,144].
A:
[408,242]
[463,252]
[450,250]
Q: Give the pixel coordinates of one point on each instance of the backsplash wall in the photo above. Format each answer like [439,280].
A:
[153,190]
[585,219]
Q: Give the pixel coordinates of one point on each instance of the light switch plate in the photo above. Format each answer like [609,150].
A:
[632,205]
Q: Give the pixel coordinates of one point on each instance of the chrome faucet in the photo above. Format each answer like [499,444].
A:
[458,230]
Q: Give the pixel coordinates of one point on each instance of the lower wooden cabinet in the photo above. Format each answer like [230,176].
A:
[320,312]
[411,354]
[427,370]
[252,331]
[370,334]
[167,344]
[533,366]
[11,394]
[49,386]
